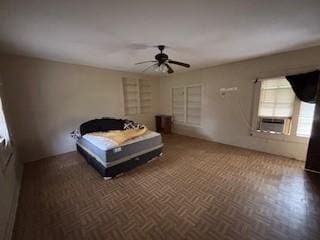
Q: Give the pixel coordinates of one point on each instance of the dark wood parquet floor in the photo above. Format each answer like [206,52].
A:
[197,190]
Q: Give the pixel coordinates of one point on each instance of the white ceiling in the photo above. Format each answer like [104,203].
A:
[116,34]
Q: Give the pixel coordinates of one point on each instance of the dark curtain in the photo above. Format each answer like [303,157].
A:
[305,85]
[307,88]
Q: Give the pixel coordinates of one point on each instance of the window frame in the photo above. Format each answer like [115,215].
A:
[185,87]
[292,137]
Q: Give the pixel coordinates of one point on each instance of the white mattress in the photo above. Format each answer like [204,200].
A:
[105,144]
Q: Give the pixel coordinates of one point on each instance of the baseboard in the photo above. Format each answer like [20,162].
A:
[12,215]
[313,171]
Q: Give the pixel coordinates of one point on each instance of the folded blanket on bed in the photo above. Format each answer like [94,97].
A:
[120,136]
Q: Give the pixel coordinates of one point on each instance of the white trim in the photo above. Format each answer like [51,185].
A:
[255,106]
[189,85]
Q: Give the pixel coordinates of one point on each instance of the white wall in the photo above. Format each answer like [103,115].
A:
[49,99]
[221,117]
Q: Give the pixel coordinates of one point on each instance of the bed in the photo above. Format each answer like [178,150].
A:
[111,159]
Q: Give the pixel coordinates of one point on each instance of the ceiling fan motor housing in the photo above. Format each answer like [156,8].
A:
[161,57]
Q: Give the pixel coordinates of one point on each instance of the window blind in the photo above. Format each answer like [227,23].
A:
[276,98]
[145,96]
[178,104]
[194,105]
[305,119]
[130,93]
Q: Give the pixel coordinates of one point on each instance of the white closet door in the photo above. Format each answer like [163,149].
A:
[194,105]
[178,104]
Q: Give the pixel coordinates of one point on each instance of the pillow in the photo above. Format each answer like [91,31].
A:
[101,125]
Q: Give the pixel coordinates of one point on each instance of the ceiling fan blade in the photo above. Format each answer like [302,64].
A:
[149,67]
[170,70]
[179,63]
[145,62]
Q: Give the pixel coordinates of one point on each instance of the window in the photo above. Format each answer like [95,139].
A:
[5,149]
[305,119]
[137,96]
[186,105]
[4,135]
[276,105]
[279,114]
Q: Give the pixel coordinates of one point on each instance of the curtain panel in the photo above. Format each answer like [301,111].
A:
[305,85]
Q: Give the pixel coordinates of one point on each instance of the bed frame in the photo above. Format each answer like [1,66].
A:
[120,168]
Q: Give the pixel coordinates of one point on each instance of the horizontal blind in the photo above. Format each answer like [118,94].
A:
[145,96]
[276,98]
[194,105]
[178,104]
[130,93]
[305,119]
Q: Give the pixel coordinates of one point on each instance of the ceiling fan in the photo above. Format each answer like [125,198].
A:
[162,62]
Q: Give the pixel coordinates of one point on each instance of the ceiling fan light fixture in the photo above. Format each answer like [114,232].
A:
[163,68]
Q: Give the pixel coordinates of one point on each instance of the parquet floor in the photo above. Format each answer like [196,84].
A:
[197,190]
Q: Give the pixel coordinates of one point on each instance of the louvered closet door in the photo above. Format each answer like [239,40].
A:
[130,92]
[178,104]
[145,96]
[194,105]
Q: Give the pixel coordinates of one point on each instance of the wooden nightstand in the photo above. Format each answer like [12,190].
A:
[163,124]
